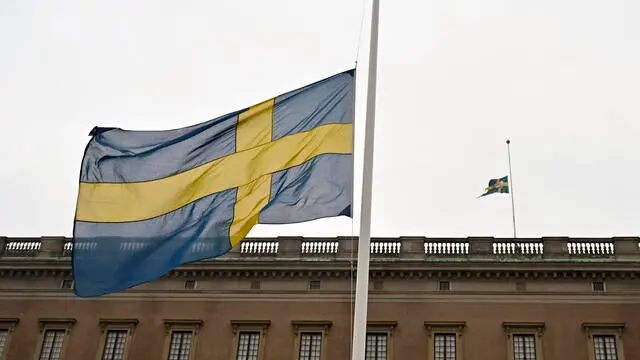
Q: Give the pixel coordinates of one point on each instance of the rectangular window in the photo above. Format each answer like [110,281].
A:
[605,347]
[445,340]
[444,346]
[190,285]
[181,339]
[4,335]
[180,346]
[376,346]
[314,284]
[114,338]
[114,345]
[310,346]
[597,286]
[52,344]
[310,338]
[7,326]
[444,286]
[248,338]
[604,341]
[248,345]
[524,347]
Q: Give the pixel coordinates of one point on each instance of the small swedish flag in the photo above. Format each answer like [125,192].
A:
[497,186]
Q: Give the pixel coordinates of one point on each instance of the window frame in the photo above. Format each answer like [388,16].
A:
[441,282]
[172,325]
[240,326]
[524,328]
[305,326]
[106,325]
[595,329]
[383,327]
[445,327]
[73,282]
[593,286]
[45,324]
[8,324]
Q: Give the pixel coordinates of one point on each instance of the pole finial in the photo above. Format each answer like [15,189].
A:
[508,141]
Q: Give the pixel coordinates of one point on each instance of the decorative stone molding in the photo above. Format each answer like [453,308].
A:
[518,327]
[120,323]
[178,324]
[9,323]
[56,323]
[593,328]
[260,325]
[451,326]
[382,326]
[301,325]
[342,270]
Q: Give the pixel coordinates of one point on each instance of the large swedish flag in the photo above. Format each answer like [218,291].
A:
[150,201]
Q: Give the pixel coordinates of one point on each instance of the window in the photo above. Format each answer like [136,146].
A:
[180,345]
[378,341]
[114,338]
[314,285]
[444,346]
[604,341]
[524,347]
[52,344]
[6,328]
[190,285]
[445,340]
[311,339]
[249,338]
[4,335]
[605,347]
[524,340]
[376,346]
[310,346]
[597,286]
[53,333]
[114,345]
[180,339]
[248,345]
[66,284]
[444,286]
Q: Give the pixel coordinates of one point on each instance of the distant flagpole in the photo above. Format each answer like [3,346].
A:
[513,207]
[364,244]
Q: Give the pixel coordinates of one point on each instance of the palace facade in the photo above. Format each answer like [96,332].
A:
[292,299]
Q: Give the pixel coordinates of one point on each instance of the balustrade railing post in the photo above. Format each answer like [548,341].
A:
[51,246]
[289,247]
[3,245]
[481,247]
[347,247]
[235,251]
[555,247]
[626,247]
[412,247]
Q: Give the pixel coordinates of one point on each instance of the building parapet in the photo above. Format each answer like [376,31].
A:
[382,249]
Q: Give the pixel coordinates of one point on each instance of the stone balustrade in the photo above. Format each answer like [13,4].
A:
[408,248]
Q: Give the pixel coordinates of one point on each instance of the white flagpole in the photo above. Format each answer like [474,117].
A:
[513,207]
[362,277]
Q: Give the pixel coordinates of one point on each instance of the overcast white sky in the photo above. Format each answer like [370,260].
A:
[456,78]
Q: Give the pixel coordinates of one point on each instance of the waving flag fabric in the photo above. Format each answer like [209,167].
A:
[150,201]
